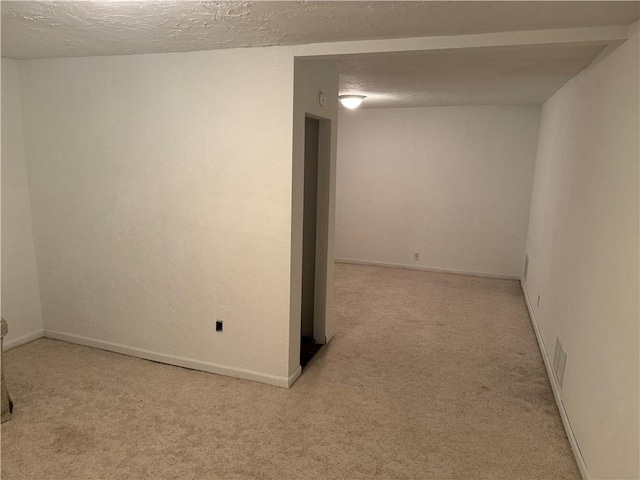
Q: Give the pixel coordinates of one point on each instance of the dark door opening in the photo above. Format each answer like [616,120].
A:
[308,345]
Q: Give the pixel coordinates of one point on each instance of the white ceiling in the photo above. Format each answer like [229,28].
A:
[479,76]
[37,29]
[464,76]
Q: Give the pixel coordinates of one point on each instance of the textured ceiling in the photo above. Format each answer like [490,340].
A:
[503,75]
[484,76]
[40,29]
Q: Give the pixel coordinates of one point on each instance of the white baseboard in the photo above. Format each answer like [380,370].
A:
[427,269]
[329,335]
[294,376]
[193,364]
[582,466]
[16,342]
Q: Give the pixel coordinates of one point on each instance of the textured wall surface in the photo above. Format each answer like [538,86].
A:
[311,78]
[452,183]
[20,292]
[583,250]
[161,193]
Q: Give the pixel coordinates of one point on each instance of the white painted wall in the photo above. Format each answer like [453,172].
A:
[20,292]
[452,183]
[583,247]
[161,197]
[311,78]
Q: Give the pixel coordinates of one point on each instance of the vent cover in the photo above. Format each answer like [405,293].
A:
[526,267]
[559,362]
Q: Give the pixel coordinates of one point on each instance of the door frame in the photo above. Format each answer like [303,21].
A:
[323,206]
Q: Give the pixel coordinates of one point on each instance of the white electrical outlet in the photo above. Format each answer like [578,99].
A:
[416,256]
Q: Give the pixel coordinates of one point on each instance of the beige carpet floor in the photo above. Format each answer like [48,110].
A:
[429,376]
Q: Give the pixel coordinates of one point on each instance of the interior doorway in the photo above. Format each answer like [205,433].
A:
[313,265]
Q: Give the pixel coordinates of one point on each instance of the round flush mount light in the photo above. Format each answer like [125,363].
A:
[351,101]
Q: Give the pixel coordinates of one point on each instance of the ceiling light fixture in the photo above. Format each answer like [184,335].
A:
[351,101]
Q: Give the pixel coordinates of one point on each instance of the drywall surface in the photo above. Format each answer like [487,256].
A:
[451,183]
[161,196]
[583,251]
[514,75]
[312,78]
[20,292]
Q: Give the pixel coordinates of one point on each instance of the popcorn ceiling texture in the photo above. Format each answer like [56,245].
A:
[74,28]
